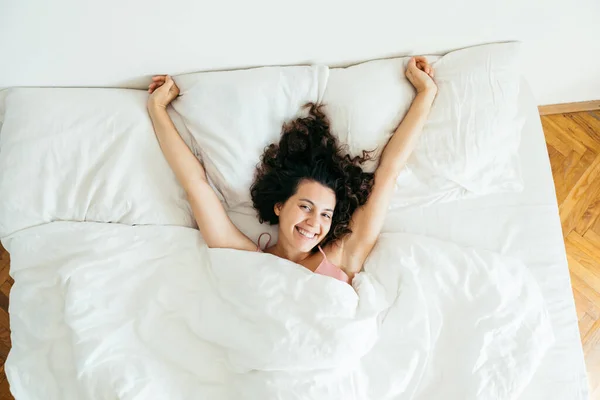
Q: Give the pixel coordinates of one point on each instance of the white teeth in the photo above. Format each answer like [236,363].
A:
[306,233]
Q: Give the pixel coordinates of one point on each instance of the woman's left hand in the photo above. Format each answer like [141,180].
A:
[420,73]
[163,90]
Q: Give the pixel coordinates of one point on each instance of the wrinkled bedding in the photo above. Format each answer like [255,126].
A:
[105,311]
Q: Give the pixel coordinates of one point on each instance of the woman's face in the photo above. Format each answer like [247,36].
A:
[305,218]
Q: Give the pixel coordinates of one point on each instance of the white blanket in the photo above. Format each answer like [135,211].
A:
[105,311]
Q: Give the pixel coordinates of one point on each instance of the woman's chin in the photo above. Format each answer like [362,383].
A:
[304,247]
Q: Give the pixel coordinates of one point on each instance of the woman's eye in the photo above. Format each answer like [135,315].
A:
[307,208]
[327,216]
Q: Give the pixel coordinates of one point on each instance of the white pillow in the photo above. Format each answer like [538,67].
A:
[234,115]
[470,142]
[91,154]
[84,155]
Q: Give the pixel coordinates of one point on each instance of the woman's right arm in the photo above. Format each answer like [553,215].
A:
[213,222]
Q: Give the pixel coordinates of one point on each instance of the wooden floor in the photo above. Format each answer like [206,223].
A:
[5,285]
[573,142]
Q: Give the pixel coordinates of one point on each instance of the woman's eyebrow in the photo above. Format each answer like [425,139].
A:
[308,201]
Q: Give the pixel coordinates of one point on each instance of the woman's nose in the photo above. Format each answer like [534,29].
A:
[311,221]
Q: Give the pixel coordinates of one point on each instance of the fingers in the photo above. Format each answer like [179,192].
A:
[158,81]
[428,69]
[162,79]
[421,63]
[420,59]
[154,85]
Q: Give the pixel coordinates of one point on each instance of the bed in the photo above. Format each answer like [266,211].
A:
[64,269]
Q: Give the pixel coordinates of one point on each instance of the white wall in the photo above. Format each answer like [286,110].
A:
[116,42]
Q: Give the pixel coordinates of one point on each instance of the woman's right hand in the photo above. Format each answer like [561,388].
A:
[163,91]
[420,73]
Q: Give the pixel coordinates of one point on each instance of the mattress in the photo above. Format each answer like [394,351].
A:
[527,226]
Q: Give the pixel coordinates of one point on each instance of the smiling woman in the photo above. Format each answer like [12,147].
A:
[328,210]
[308,186]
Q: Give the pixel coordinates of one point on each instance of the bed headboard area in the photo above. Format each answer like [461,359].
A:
[117,43]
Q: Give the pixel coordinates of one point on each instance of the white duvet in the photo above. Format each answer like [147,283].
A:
[108,311]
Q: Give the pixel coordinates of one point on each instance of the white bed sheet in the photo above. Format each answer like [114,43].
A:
[525,225]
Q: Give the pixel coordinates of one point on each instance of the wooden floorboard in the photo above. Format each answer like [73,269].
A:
[572,108]
[5,285]
[573,143]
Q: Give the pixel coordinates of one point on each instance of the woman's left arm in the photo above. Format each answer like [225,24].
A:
[367,220]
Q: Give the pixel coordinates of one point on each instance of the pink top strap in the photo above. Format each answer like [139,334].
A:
[325,267]
[260,237]
[329,269]
[322,252]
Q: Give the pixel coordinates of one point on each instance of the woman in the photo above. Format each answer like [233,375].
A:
[329,212]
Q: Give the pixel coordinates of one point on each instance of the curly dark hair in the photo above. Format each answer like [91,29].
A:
[308,151]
